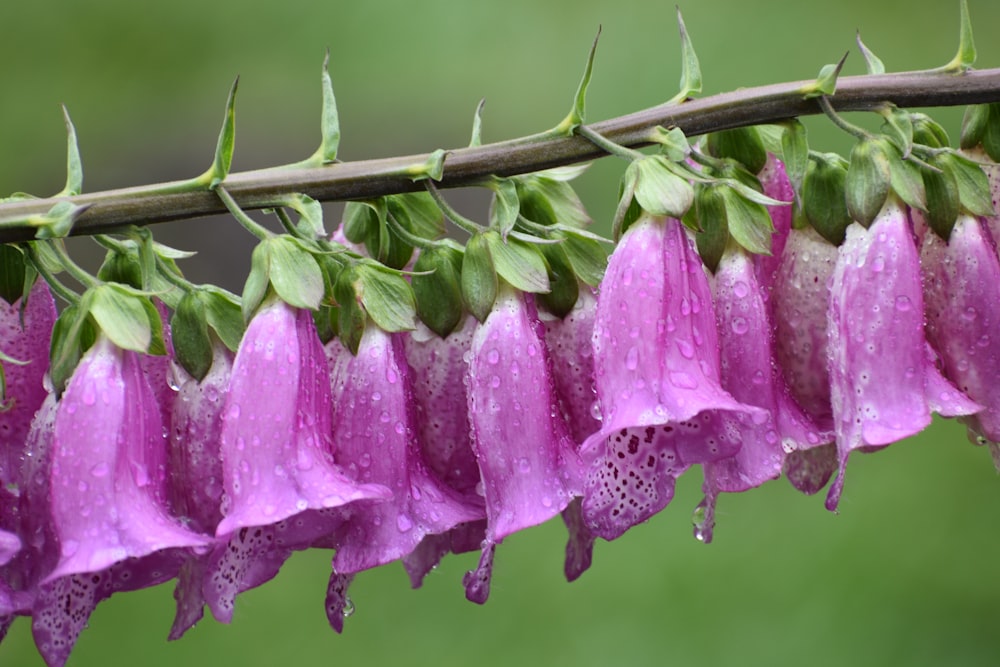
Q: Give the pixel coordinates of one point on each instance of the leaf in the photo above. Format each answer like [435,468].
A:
[295,274]
[477,125]
[330,120]
[258,279]
[224,148]
[479,277]
[578,113]
[587,257]
[505,206]
[437,288]
[189,332]
[121,317]
[223,315]
[872,63]
[11,273]
[74,166]
[387,298]
[519,263]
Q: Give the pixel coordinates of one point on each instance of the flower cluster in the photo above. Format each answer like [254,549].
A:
[536,383]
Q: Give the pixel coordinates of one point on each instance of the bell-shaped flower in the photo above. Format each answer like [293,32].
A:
[441,412]
[751,375]
[373,420]
[569,342]
[656,364]
[961,293]
[884,383]
[276,437]
[776,185]
[801,299]
[24,337]
[109,467]
[530,466]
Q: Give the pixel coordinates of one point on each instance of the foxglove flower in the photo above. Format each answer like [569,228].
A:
[109,467]
[656,364]
[376,441]
[438,368]
[276,438]
[961,291]
[774,180]
[530,467]
[801,299]
[24,339]
[569,344]
[751,375]
[884,384]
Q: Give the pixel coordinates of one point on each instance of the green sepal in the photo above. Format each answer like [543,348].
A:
[578,113]
[223,315]
[966,55]
[710,218]
[437,286]
[417,213]
[748,221]
[330,120]
[742,144]
[189,332]
[973,184]
[564,288]
[255,287]
[74,165]
[898,127]
[826,82]
[673,144]
[12,269]
[658,190]
[519,263]
[991,133]
[310,211]
[943,199]
[907,182]
[387,298]
[432,168]
[58,221]
[479,277]
[869,178]
[587,257]
[548,201]
[351,317]
[72,335]
[122,316]
[122,267]
[477,125]
[224,147]
[975,122]
[929,132]
[326,320]
[628,209]
[795,153]
[824,201]
[872,63]
[505,206]
[294,273]
[690,68]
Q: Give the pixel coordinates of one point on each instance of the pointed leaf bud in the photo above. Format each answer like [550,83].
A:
[869,177]
[824,196]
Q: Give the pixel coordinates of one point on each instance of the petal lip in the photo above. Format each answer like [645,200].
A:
[657,373]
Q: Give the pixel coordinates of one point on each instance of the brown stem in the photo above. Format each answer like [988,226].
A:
[467,166]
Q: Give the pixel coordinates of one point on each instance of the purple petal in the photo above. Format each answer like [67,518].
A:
[808,470]
[750,373]
[461,539]
[656,362]
[196,488]
[774,180]
[441,413]
[10,544]
[801,301]
[338,602]
[276,437]
[25,390]
[961,293]
[879,365]
[376,441]
[108,468]
[477,582]
[64,605]
[580,546]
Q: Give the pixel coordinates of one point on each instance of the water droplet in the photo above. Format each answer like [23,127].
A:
[685,348]
[495,381]
[524,465]
[89,395]
[403,523]
[595,411]
[493,356]
[234,411]
[741,289]
[632,358]
[683,380]
[740,325]
[100,469]
[903,303]
[349,608]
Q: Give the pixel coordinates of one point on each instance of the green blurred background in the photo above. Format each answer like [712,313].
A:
[906,574]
